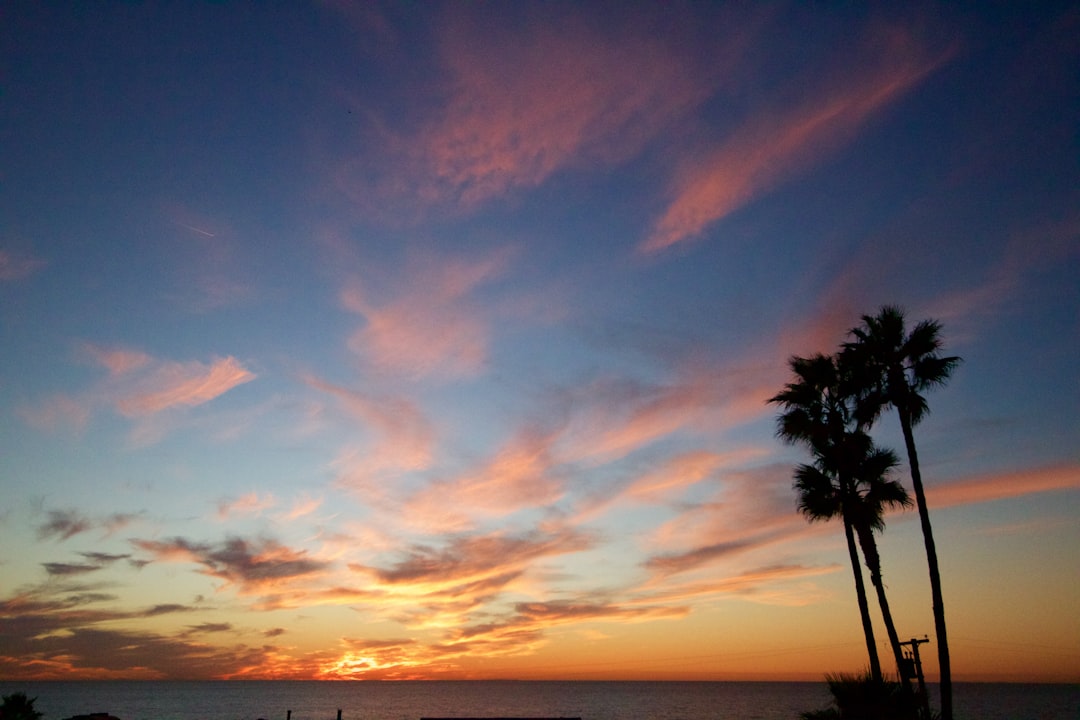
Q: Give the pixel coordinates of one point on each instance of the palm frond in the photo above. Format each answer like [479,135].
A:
[819,499]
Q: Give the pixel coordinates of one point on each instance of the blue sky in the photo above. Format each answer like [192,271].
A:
[384,340]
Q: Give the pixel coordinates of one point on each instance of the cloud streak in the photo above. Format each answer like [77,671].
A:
[184,385]
[773,146]
[433,327]
[1002,486]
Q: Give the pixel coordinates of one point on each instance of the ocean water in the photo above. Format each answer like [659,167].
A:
[153,700]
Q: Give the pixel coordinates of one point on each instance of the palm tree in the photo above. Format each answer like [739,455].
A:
[896,369]
[816,414]
[874,492]
[862,504]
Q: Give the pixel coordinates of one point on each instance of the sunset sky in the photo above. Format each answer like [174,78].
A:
[434,340]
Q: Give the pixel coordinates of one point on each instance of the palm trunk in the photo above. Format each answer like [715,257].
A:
[864,605]
[873,563]
[944,668]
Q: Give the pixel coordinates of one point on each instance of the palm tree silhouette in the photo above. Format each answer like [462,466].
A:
[816,414]
[863,502]
[873,493]
[895,368]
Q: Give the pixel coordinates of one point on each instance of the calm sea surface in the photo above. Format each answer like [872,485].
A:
[587,700]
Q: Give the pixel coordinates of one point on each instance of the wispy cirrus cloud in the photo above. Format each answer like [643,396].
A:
[619,417]
[518,105]
[303,506]
[664,483]
[1002,486]
[433,326]
[403,439]
[15,265]
[187,384]
[749,509]
[528,105]
[520,476]
[117,360]
[774,145]
[468,559]
[56,412]
[249,504]
[770,584]
[138,386]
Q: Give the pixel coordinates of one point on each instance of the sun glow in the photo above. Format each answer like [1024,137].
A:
[353,666]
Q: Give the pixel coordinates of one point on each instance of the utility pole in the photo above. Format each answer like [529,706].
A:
[913,667]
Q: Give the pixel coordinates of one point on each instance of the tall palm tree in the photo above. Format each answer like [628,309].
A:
[815,413]
[897,369]
[874,492]
[862,504]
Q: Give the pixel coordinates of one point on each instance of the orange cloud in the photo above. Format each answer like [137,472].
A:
[445,588]
[1004,485]
[758,584]
[432,327]
[770,148]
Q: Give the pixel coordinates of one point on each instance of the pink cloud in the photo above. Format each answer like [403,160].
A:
[303,506]
[140,386]
[546,96]
[749,509]
[518,477]
[1002,486]
[250,504]
[677,473]
[57,412]
[403,438]
[620,418]
[1027,252]
[432,327]
[770,148]
[516,106]
[665,483]
[117,361]
[184,384]
[759,585]
[17,266]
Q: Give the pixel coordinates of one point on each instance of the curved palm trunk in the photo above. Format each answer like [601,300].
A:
[931,560]
[864,605]
[873,563]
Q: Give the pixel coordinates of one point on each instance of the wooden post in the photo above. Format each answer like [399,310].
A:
[914,643]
